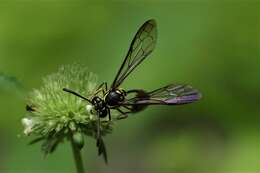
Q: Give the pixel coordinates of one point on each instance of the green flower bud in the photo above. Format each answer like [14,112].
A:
[78,139]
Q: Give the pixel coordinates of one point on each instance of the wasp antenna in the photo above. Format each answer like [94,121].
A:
[76,94]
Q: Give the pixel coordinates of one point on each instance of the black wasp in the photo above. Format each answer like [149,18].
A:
[116,98]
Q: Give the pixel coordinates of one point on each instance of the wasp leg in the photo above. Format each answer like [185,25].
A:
[102,150]
[109,114]
[98,130]
[100,86]
[130,109]
[123,114]
[99,89]
[105,85]
[99,141]
[104,91]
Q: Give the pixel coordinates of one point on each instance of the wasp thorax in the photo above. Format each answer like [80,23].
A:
[114,97]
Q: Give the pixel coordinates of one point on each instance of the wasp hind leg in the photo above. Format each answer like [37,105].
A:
[123,114]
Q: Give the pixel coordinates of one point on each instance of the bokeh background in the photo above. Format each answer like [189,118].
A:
[212,45]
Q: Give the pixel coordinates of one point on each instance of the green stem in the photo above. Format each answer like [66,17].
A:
[77,157]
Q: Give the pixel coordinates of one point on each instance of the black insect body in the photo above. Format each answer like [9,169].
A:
[100,106]
[115,97]
[135,100]
[29,108]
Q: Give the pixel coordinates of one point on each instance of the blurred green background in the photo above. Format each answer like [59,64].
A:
[212,45]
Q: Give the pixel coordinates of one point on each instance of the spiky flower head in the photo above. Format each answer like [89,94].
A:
[54,115]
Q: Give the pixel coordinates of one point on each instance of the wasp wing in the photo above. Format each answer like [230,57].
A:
[141,46]
[168,95]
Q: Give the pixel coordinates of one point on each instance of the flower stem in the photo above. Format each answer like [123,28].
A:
[77,157]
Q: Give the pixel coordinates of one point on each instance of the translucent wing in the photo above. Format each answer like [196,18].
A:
[168,95]
[141,46]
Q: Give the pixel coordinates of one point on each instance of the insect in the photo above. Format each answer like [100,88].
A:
[118,99]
